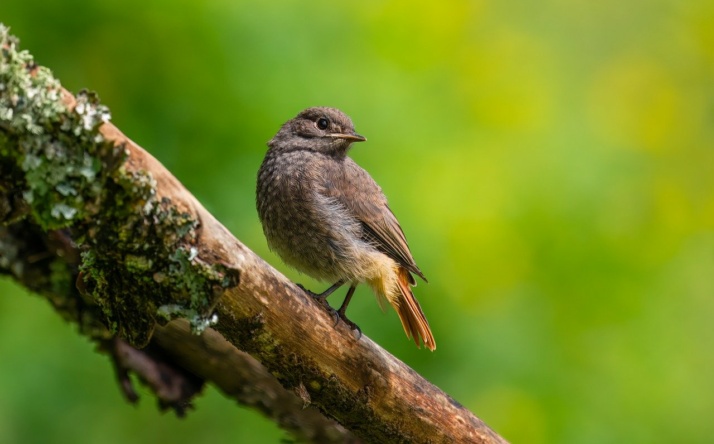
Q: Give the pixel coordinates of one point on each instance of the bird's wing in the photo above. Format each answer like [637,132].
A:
[355,189]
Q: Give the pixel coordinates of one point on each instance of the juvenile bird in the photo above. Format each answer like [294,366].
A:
[325,216]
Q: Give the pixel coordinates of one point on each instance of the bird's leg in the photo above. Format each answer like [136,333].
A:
[325,293]
[322,297]
[343,308]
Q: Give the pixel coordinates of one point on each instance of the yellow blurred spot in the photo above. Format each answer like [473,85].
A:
[486,257]
[508,79]
[636,102]
[420,35]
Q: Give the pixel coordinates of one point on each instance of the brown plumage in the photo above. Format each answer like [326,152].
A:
[325,216]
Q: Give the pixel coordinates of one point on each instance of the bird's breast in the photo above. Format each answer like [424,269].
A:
[310,230]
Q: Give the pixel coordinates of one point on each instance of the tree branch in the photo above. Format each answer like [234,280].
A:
[118,245]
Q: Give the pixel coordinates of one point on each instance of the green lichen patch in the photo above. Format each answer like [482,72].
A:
[139,253]
[143,265]
[198,321]
[60,152]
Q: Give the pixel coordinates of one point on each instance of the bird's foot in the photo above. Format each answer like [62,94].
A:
[322,299]
[354,327]
[337,315]
[310,293]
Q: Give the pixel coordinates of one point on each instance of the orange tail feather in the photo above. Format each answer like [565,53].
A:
[413,320]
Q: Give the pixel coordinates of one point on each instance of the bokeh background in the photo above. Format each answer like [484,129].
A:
[552,164]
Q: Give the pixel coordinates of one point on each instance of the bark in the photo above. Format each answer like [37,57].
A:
[99,227]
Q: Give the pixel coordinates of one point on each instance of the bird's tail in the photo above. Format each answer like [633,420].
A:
[413,320]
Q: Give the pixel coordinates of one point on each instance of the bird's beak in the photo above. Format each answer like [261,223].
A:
[354,137]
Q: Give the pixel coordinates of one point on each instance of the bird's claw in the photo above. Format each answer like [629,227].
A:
[330,310]
[341,315]
[337,315]
[354,327]
[314,295]
[323,301]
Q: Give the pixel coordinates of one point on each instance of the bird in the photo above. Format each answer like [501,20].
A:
[325,216]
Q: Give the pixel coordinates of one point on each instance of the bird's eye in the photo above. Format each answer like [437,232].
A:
[322,123]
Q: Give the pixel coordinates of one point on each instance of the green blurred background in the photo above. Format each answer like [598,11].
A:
[552,164]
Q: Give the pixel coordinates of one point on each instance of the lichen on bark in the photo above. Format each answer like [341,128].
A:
[139,263]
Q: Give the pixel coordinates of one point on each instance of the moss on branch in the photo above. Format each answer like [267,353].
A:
[139,263]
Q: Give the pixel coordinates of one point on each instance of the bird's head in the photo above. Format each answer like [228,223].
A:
[322,129]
